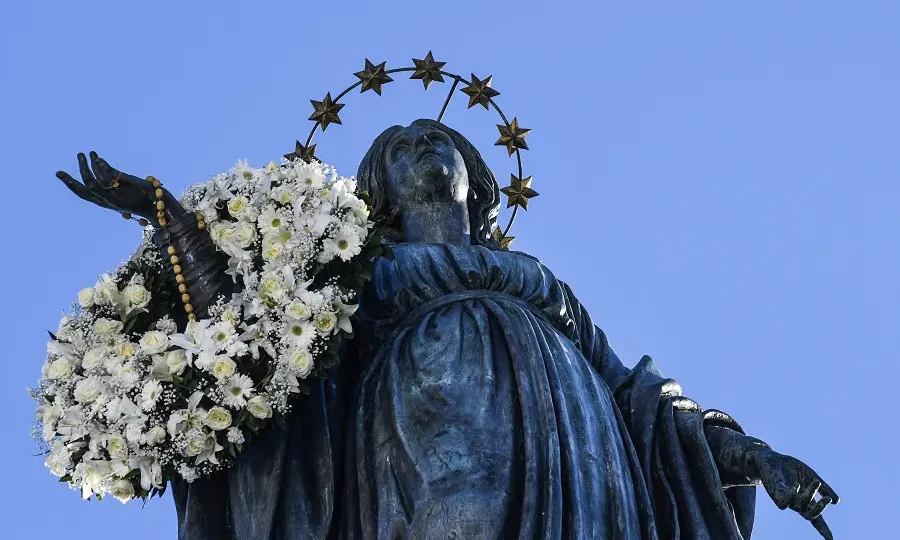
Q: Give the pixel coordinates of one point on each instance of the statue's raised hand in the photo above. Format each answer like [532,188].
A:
[122,192]
[793,484]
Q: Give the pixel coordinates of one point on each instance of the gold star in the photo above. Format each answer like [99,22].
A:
[519,191]
[428,70]
[480,92]
[505,241]
[512,136]
[306,153]
[326,111]
[373,77]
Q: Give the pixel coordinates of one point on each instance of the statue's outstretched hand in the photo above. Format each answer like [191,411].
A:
[793,484]
[109,188]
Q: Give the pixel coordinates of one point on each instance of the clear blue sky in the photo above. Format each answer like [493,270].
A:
[719,184]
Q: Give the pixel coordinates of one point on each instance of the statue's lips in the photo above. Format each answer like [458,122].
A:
[424,153]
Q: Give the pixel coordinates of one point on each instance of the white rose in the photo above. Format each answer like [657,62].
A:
[217,232]
[270,287]
[122,490]
[222,367]
[93,358]
[125,349]
[300,361]
[136,296]
[86,297]
[87,390]
[325,322]
[258,407]
[59,369]
[116,446]
[237,206]
[244,234]
[176,361]
[107,326]
[198,443]
[154,342]
[156,435]
[218,419]
[298,310]
[107,293]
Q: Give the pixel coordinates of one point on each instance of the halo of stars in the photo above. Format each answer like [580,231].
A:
[428,70]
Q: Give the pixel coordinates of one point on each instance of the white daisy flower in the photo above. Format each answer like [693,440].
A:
[236,390]
[299,333]
[150,394]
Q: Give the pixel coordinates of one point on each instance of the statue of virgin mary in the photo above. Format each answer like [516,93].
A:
[478,400]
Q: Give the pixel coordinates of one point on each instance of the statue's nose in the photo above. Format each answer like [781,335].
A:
[422,141]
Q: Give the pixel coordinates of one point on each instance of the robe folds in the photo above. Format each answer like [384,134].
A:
[477,401]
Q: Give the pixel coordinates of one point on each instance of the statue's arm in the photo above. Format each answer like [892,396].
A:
[646,398]
[202,266]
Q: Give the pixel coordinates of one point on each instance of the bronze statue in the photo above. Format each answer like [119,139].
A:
[478,400]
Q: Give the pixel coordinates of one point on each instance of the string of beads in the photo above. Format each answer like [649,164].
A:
[171,251]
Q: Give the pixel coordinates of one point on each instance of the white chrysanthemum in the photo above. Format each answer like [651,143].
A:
[150,394]
[345,244]
[271,220]
[236,390]
[242,170]
[299,333]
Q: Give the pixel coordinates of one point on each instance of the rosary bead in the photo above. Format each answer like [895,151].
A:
[182,288]
[192,317]
[160,205]
[143,222]
[189,308]
[173,259]
[162,222]
[201,225]
[179,278]
[177,269]
[185,298]
[126,215]
[159,193]
[171,250]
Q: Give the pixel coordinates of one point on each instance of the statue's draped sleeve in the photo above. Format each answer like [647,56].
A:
[690,498]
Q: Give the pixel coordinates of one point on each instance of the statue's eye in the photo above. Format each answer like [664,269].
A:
[399,147]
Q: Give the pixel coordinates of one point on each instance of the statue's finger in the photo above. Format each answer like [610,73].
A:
[826,491]
[815,508]
[806,494]
[86,174]
[101,173]
[74,186]
[822,527]
[79,189]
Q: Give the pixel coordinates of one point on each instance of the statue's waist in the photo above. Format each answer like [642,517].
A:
[416,315]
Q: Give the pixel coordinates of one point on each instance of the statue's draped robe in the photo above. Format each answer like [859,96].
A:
[477,401]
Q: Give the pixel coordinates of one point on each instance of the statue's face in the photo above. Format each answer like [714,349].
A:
[423,165]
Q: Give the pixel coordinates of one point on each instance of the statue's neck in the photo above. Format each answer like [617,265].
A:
[436,222]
